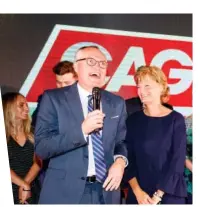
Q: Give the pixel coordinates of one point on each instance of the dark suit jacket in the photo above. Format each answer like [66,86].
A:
[133,105]
[58,136]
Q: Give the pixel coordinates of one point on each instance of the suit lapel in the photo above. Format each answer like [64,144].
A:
[107,110]
[74,102]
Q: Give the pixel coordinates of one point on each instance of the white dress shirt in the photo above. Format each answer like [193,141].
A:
[84,102]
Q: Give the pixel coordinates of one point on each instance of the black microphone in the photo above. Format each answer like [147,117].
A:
[96,97]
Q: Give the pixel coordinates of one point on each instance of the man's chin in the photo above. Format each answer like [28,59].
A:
[97,84]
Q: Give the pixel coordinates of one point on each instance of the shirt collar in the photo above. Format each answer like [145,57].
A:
[82,92]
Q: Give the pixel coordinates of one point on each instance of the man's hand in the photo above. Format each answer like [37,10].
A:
[115,175]
[94,120]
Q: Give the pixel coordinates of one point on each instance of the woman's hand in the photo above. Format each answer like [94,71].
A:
[24,192]
[155,200]
[157,196]
[143,198]
[188,164]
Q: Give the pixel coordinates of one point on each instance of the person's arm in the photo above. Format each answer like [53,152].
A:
[172,179]
[49,142]
[141,196]
[188,164]
[131,170]
[24,188]
[19,181]
[134,185]
[33,172]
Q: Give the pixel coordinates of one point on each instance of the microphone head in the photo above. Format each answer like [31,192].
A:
[96,90]
[96,95]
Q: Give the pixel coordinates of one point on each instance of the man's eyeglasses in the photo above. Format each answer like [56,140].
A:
[93,62]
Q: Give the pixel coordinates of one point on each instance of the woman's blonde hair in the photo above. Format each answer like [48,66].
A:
[9,109]
[157,75]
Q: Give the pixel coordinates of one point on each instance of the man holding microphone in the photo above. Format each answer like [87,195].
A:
[85,146]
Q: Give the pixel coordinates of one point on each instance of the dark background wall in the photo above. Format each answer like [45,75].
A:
[22,36]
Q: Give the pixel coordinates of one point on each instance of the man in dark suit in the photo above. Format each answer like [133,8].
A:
[86,164]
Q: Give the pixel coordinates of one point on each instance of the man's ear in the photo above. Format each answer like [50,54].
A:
[75,66]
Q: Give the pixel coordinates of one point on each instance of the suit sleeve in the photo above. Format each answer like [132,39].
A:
[48,141]
[131,170]
[120,146]
[172,180]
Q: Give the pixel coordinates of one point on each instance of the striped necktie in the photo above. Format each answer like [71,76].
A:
[98,151]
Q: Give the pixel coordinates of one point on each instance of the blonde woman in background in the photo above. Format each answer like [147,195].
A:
[156,141]
[24,167]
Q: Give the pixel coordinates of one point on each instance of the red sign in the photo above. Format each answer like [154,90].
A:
[125,51]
